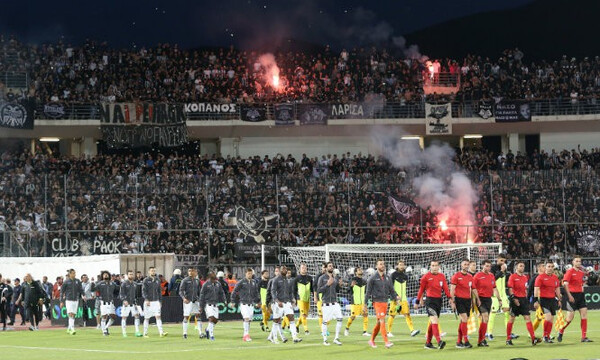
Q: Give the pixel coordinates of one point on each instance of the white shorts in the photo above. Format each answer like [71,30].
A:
[191,308]
[151,310]
[279,312]
[247,311]
[134,310]
[331,312]
[211,311]
[107,309]
[72,306]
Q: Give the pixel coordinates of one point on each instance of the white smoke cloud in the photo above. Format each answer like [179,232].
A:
[412,52]
[439,183]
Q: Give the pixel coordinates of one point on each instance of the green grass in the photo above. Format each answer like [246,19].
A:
[89,344]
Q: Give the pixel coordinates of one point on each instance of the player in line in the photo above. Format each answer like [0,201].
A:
[380,290]
[499,270]
[152,294]
[128,294]
[328,286]
[264,294]
[304,288]
[547,290]
[210,296]
[358,287]
[433,283]
[246,294]
[283,294]
[517,290]
[70,292]
[317,295]
[461,292]
[484,285]
[573,284]
[400,280]
[189,291]
[106,291]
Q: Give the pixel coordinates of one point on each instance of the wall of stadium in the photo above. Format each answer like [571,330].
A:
[569,140]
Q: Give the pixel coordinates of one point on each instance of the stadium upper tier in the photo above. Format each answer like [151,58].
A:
[95,72]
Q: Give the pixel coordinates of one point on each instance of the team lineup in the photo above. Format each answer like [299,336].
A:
[474,297]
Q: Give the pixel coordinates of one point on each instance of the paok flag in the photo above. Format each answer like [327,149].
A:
[404,208]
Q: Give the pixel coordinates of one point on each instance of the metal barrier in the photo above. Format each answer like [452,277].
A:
[15,79]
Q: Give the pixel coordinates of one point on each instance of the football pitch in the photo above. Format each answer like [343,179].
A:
[89,344]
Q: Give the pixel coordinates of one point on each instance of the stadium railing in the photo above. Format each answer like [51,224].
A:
[15,79]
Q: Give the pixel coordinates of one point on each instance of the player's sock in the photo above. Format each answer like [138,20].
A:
[279,330]
[482,331]
[159,325]
[409,322]
[136,322]
[71,323]
[583,328]
[110,322]
[185,325]
[124,325]
[547,328]
[436,332]
[465,331]
[375,331]
[460,333]
[338,328]
[324,331]
[562,330]
[509,328]
[146,324]
[365,323]
[246,328]
[211,329]
[530,329]
[491,322]
[349,322]
[103,324]
[293,329]
[390,323]
[199,327]
[429,333]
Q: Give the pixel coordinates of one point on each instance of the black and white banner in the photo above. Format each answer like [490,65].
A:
[439,119]
[313,114]
[254,251]
[132,125]
[54,110]
[404,208]
[254,113]
[65,247]
[588,241]
[486,109]
[284,114]
[347,111]
[512,111]
[16,113]
[210,108]
[253,226]
[185,261]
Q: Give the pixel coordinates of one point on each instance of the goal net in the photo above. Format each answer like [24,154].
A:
[346,258]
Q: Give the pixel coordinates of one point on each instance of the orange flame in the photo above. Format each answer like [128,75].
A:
[275,81]
[443,225]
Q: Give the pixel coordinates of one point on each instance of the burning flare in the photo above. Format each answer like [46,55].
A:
[443,225]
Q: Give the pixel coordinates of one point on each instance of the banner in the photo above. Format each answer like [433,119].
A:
[252,225]
[16,113]
[588,241]
[254,113]
[54,110]
[347,111]
[284,114]
[65,247]
[485,109]
[439,119]
[405,208]
[186,261]
[210,108]
[253,251]
[512,111]
[131,125]
[312,114]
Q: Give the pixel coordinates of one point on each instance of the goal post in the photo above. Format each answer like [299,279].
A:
[417,257]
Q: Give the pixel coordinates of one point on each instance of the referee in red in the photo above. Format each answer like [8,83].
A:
[547,290]
[573,284]
[484,286]
[460,291]
[517,295]
[433,283]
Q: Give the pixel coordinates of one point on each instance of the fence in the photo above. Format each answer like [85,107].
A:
[15,79]
[537,213]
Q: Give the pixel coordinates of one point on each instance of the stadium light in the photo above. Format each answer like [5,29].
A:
[411,137]
[49,139]
[473,136]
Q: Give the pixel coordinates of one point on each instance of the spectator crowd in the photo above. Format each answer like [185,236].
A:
[535,204]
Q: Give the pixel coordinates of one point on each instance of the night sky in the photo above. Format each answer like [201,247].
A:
[245,24]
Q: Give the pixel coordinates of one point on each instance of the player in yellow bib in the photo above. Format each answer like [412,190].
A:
[400,281]
[264,302]
[304,288]
[357,288]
